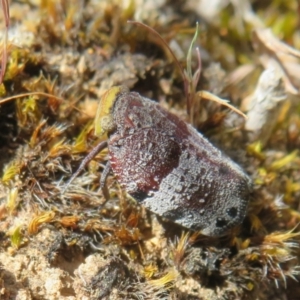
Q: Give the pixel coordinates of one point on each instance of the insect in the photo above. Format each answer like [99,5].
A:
[167,166]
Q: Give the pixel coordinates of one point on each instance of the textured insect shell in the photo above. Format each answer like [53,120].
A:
[171,169]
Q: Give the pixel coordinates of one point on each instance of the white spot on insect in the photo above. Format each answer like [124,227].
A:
[179,188]
[150,146]
[131,186]
[150,193]
[190,216]
[156,179]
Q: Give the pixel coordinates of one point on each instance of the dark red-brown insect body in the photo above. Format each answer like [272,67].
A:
[171,169]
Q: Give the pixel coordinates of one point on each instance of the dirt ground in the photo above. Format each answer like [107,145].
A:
[59,242]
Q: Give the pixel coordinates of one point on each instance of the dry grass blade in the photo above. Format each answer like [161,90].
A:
[279,55]
[5,9]
[209,96]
